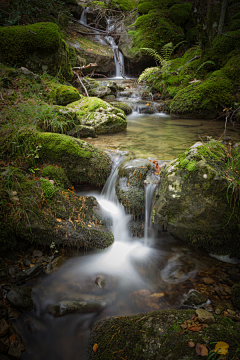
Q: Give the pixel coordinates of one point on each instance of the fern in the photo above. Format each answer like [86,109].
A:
[148,73]
[209,62]
[166,51]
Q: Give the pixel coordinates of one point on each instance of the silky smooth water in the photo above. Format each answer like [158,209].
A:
[161,136]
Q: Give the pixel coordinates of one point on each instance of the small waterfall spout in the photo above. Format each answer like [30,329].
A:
[149,192]
[83,18]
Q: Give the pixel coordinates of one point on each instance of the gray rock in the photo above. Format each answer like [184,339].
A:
[76,307]
[29,273]
[29,74]
[195,298]
[205,317]
[26,262]
[130,185]
[20,298]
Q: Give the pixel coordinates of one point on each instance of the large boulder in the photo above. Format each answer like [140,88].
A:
[42,212]
[197,198]
[160,335]
[38,47]
[82,162]
[204,99]
[97,117]
[130,185]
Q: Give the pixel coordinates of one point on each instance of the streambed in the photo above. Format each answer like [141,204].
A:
[134,275]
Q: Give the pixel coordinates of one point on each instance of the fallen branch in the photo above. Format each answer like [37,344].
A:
[81,82]
[84,67]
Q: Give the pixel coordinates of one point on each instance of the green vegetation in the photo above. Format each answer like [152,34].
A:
[125,5]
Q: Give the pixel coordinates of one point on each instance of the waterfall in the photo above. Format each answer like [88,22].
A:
[149,192]
[118,56]
[83,18]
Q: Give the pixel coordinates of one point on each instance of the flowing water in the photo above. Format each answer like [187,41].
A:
[118,280]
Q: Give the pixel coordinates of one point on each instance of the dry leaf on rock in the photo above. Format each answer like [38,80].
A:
[195,328]
[222,348]
[201,349]
[95,347]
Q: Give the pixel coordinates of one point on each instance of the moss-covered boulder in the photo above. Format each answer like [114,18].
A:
[38,47]
[196,199]
[158,335]
[140,35]
[123,106]
[96,114]
[125,5]
[101,89]
[41,212]
[180,13]
[64,95]
[57,174]
[82,162]
[130,185]
[204,99]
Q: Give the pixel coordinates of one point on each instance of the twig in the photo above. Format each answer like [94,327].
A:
[81,83]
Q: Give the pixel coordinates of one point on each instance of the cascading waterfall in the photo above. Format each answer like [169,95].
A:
[118,56]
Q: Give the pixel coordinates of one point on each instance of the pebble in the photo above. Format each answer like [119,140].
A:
[205,317]
[207,280]
[37,253]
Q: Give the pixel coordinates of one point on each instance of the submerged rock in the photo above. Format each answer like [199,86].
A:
[195,199]
[195,298]
[156,335]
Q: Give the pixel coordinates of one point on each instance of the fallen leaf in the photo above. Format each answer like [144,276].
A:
[95,347]
[222,348]
[12,339]
[195,328]
[201,349]
[191,344]
[31,265]
[59,220]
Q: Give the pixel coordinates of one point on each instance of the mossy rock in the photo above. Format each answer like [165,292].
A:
[232,69]
[37,211]
[223,48]
[95,113]
[37,47]
[57,174]
[64,95]
[204,99]
[235,25]
[144,8]
[158,335]
[130,185]
[180,13]
[193,200]
[125,5]
[123,106]
[82,162]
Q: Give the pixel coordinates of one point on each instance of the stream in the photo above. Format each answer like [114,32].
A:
[111,282]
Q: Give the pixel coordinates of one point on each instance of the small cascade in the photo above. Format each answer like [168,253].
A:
[149,192]
[83,18]
[118,56]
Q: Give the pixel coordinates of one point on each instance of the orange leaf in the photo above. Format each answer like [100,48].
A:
[195,328]
[191,344]
[12,339]
[95,347]
[32,265]
[201,350]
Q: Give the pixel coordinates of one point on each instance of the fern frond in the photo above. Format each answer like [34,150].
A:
[149,73]
[153,53]
[209,62]
[167,50]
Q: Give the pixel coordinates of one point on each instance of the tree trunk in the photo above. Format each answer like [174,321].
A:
[222,16]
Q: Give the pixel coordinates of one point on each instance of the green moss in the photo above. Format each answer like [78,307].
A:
[18,41]
[232,69]
[125,5]
[101,4]
[48,189]
[57,174]
[191,166]
[145,7]
[205,97]
[164,32]
[180,13]
[64,95]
